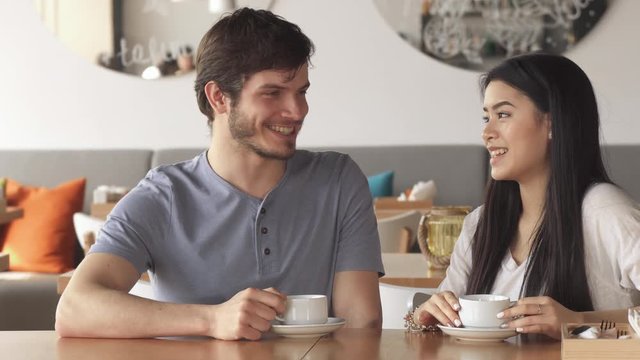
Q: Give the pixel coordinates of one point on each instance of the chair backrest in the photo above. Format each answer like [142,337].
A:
[397,301]
[397,233]
[142,289]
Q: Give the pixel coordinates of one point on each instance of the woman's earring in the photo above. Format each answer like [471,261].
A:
[549,135]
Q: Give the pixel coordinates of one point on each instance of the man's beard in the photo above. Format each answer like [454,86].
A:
[242,131]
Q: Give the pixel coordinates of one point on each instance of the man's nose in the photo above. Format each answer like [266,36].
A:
[295,109]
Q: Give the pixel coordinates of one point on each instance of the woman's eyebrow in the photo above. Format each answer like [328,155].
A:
[497,105]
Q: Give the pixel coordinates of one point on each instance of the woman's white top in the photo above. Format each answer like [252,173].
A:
[611,226]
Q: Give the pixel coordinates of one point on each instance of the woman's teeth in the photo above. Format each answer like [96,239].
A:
[498,152]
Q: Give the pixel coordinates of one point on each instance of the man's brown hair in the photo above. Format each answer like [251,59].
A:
[243,43]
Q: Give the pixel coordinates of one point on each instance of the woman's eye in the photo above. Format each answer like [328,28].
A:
[485,119]
[503,115]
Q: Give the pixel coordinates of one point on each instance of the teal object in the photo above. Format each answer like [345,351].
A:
[381,184]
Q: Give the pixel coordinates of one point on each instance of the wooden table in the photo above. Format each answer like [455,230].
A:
[399,344]
[343,344]
[410,269]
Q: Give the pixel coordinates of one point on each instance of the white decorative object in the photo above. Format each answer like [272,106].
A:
[477,34]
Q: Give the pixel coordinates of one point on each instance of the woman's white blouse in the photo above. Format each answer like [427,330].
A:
[611,226]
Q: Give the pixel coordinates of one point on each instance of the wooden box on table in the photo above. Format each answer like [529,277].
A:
[578,348]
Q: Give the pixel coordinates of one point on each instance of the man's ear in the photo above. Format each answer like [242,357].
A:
[219,102]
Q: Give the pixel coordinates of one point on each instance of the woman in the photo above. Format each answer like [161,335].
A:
[554,231]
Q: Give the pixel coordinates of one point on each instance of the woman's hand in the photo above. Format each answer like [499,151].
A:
[440,308]
[540,314]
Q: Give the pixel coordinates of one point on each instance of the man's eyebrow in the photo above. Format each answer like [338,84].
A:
[270,86]
[497,105]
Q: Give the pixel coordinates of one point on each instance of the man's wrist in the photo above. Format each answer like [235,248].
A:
[206,320]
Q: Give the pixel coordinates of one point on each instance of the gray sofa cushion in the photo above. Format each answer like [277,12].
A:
[172,156]
[51,167]
[459,171]
[27,301]
[623,164]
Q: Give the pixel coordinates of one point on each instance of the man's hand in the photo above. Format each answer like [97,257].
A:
[247,315]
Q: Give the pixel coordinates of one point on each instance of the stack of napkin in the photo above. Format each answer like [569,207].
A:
[634,319]
[108,194]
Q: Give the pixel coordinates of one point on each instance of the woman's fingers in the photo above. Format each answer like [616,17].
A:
[442,306]
[526,307]
[539,314]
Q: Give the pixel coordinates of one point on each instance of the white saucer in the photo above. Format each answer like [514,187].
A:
[307,331]
[478,334]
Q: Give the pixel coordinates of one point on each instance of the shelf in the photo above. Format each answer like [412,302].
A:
[10,214]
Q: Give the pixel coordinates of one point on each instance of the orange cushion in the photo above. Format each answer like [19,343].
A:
[43,240]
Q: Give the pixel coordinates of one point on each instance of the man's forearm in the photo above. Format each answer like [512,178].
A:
[356,298]
[358,319]
[103,312]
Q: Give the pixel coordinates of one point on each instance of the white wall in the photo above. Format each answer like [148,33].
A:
[368,86]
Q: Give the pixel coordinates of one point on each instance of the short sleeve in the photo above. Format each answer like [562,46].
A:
[457,275]
[138,222]
[358,242]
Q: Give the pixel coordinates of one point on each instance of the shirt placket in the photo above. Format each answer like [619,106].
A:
[267,250]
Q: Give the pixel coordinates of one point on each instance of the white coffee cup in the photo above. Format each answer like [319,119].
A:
[481,310]
[305,310]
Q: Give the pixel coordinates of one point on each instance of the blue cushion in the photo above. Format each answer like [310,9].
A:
[381,184]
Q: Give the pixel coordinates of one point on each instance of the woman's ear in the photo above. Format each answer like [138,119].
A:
[217,99]
[547,123]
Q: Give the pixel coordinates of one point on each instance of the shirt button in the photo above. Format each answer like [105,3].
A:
[263,210]
[267,251]
[264,230]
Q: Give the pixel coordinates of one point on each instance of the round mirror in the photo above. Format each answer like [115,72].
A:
[478,34]
[147,38]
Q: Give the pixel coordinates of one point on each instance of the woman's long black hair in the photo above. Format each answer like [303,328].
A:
[556,267]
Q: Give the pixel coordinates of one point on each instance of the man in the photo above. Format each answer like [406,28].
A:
[226,235]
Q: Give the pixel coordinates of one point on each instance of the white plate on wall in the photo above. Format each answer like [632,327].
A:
[478,334]
[307,331]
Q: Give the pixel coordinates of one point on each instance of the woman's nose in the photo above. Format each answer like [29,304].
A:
[488,132]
